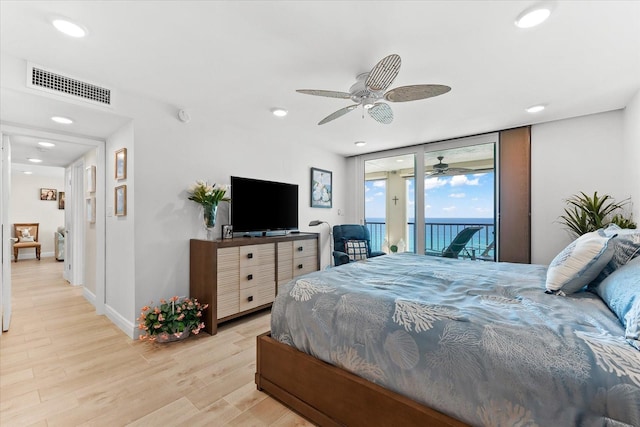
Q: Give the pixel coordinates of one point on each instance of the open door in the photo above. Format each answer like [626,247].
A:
[5,281]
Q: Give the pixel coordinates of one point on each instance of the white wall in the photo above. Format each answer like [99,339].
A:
[147,251]
[568,156]
[26,206]
[631,152]
[90,237]
[120,262]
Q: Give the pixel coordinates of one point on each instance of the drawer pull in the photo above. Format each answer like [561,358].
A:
[250,298]
[250,277]
[250,255]
[300,266]
[300,248]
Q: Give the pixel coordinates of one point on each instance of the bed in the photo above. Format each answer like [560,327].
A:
[409,339]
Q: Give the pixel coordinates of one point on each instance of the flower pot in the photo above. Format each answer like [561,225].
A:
[165,337]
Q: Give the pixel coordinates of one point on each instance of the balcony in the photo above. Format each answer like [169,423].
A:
[438,236]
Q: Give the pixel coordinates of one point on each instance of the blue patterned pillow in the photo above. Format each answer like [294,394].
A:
[579,263]
[626,246]
[621,292]
[356,249]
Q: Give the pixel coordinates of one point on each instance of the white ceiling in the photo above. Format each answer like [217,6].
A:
[232,61]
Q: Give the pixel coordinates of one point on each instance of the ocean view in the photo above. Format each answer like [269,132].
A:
[438,233]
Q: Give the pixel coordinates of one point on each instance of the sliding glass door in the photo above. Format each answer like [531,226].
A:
[389,202]
[459,193]
[456,191]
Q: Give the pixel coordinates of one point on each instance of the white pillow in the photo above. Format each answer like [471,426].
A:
[25,239]
[579,263]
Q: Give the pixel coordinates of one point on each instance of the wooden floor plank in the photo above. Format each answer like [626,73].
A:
[63,365]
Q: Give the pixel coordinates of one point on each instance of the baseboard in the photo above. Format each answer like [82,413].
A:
[89,296]
[22,255]
[127,327]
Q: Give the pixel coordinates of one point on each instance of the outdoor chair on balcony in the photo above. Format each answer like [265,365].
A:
[352,242]
[457,245]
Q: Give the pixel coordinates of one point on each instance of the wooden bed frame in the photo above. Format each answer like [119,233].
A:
[330,396]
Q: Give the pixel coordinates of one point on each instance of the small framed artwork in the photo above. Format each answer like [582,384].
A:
[61,200]
[321,189]
[121,164]
[48,194]
[90,208]
[121,200]
[227,231]
[91,179]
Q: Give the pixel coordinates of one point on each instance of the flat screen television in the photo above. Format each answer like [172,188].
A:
[263,206]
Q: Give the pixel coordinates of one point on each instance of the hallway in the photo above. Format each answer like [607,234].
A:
[62,365]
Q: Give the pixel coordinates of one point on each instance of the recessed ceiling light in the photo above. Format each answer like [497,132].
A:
[360,143]
[46,144]
[62,120]
[34,160]
[279,112]
[69,28]
[27,172]
[399,160]
[535,109]
[533,16]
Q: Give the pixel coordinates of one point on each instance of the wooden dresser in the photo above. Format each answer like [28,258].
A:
[242,275]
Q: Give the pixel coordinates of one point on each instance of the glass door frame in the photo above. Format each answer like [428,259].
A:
[418,151]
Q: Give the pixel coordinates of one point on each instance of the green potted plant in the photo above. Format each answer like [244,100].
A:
[589,213]
[171,320]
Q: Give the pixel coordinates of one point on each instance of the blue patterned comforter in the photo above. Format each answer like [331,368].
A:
[479,341]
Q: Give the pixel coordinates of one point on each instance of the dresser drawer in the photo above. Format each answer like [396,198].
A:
[256,296]
[257,275]
[304,265]
[304,249]
[253,255]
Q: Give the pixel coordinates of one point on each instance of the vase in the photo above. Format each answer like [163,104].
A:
[165,337]
[209,215]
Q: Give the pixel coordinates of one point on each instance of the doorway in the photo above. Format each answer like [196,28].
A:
[457,189]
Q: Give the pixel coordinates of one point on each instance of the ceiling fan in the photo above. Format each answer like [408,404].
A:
[369,89]
[444,169]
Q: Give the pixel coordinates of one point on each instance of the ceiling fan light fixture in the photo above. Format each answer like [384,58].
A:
[533,16]
[279,112]
[69,28]
[535,108]
[62,120]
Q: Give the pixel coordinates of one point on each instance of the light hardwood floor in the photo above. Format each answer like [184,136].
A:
[63,365]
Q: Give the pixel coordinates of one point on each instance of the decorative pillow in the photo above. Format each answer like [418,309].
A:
[579,263]
[25,239]
[621,292]
[626,246]
[356,249]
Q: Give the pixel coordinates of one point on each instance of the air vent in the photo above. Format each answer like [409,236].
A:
[63,85]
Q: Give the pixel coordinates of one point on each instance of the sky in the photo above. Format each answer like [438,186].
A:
[460,196]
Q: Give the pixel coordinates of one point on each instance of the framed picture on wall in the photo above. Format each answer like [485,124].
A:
[48,194]
[91,179]
[90,210]
[61,200]
[121,200]
[321,189]
[121,163]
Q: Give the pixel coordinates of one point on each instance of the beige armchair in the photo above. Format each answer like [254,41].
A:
[26,236]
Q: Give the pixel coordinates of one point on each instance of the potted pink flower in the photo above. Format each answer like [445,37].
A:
[171,320]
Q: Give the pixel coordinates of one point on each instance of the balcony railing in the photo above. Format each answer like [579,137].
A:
[438,236]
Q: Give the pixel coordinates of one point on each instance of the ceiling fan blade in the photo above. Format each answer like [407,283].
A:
[341,112]
[381,112]
[327,93]
[415,92]
[383,74]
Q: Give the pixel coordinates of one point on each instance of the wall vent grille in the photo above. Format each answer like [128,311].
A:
[62,84]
